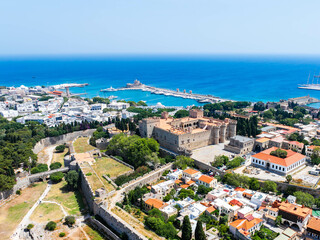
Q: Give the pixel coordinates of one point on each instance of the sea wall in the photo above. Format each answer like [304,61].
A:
[45,142]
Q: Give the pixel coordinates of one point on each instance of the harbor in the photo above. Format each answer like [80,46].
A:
[137,85]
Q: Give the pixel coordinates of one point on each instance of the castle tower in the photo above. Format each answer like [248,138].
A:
[216,134]
[196,113]
[223,130]
[232,128]
[164,115]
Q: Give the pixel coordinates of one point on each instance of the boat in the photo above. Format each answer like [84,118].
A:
[110,89]
[112,97]
[311,86]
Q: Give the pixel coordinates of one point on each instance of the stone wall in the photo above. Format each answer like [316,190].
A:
[60,139]
[147,178]
[113,221]
[203,166]
[106,232]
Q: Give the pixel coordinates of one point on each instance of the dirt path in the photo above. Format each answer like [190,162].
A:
[48,154]
[23,224]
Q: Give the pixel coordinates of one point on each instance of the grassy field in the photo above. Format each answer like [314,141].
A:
[58,157]
[135,223]
[92,233]
[46,212]
[70,200]
[13,211]
[105,166]
[81,145]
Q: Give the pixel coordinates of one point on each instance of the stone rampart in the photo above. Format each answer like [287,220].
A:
[147,178]
[103,229]
[117,223]
[203,166]
[36,177]
[60,139]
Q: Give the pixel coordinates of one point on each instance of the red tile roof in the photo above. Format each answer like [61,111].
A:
[206,179]
[190,171]
[292,157]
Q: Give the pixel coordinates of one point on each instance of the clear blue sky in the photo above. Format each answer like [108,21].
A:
[159,27]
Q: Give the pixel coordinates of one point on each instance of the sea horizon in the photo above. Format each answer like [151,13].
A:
[235,77]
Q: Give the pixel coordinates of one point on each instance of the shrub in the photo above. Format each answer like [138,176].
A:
[40,168]
[18,192]
[56,177]
[88,174]
[62,234]
[70,220]
[60,148]
[55,165]
[30,226]
[51,226]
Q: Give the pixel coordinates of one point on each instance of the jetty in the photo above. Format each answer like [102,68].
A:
[137,85]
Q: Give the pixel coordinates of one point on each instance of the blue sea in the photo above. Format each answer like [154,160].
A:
[252,78]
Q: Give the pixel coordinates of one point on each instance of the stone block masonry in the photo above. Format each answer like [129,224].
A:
[49,141]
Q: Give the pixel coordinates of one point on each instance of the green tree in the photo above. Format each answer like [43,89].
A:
[279,153]
[60,148]
[304,198]
[289,178]
[55,165]
[315,157]
[203,189]
[30,226]
[236,162]
[51,226]
[220,161]
[269,186]
[186,229]
[254,184]
[72,178]
[56,177]
[181,114]
[183,162]
[199,233]
[278,220]
[70,220]
[6,182]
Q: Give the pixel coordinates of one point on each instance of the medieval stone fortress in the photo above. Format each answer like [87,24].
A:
[186,134]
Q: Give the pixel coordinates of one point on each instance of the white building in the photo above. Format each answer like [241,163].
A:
[282,166]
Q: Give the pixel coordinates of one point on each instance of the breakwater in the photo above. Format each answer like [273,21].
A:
[201,98]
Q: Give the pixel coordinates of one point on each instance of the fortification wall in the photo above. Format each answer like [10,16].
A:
[60,139]
[203,166]
[145,179]
[117,223]
[103,229]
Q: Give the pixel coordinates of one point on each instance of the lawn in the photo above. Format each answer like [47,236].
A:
[46,212]
[13,211]
[96,179]
[71,201]
[108,166]
[81,145]
[92,233]
[58,157]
